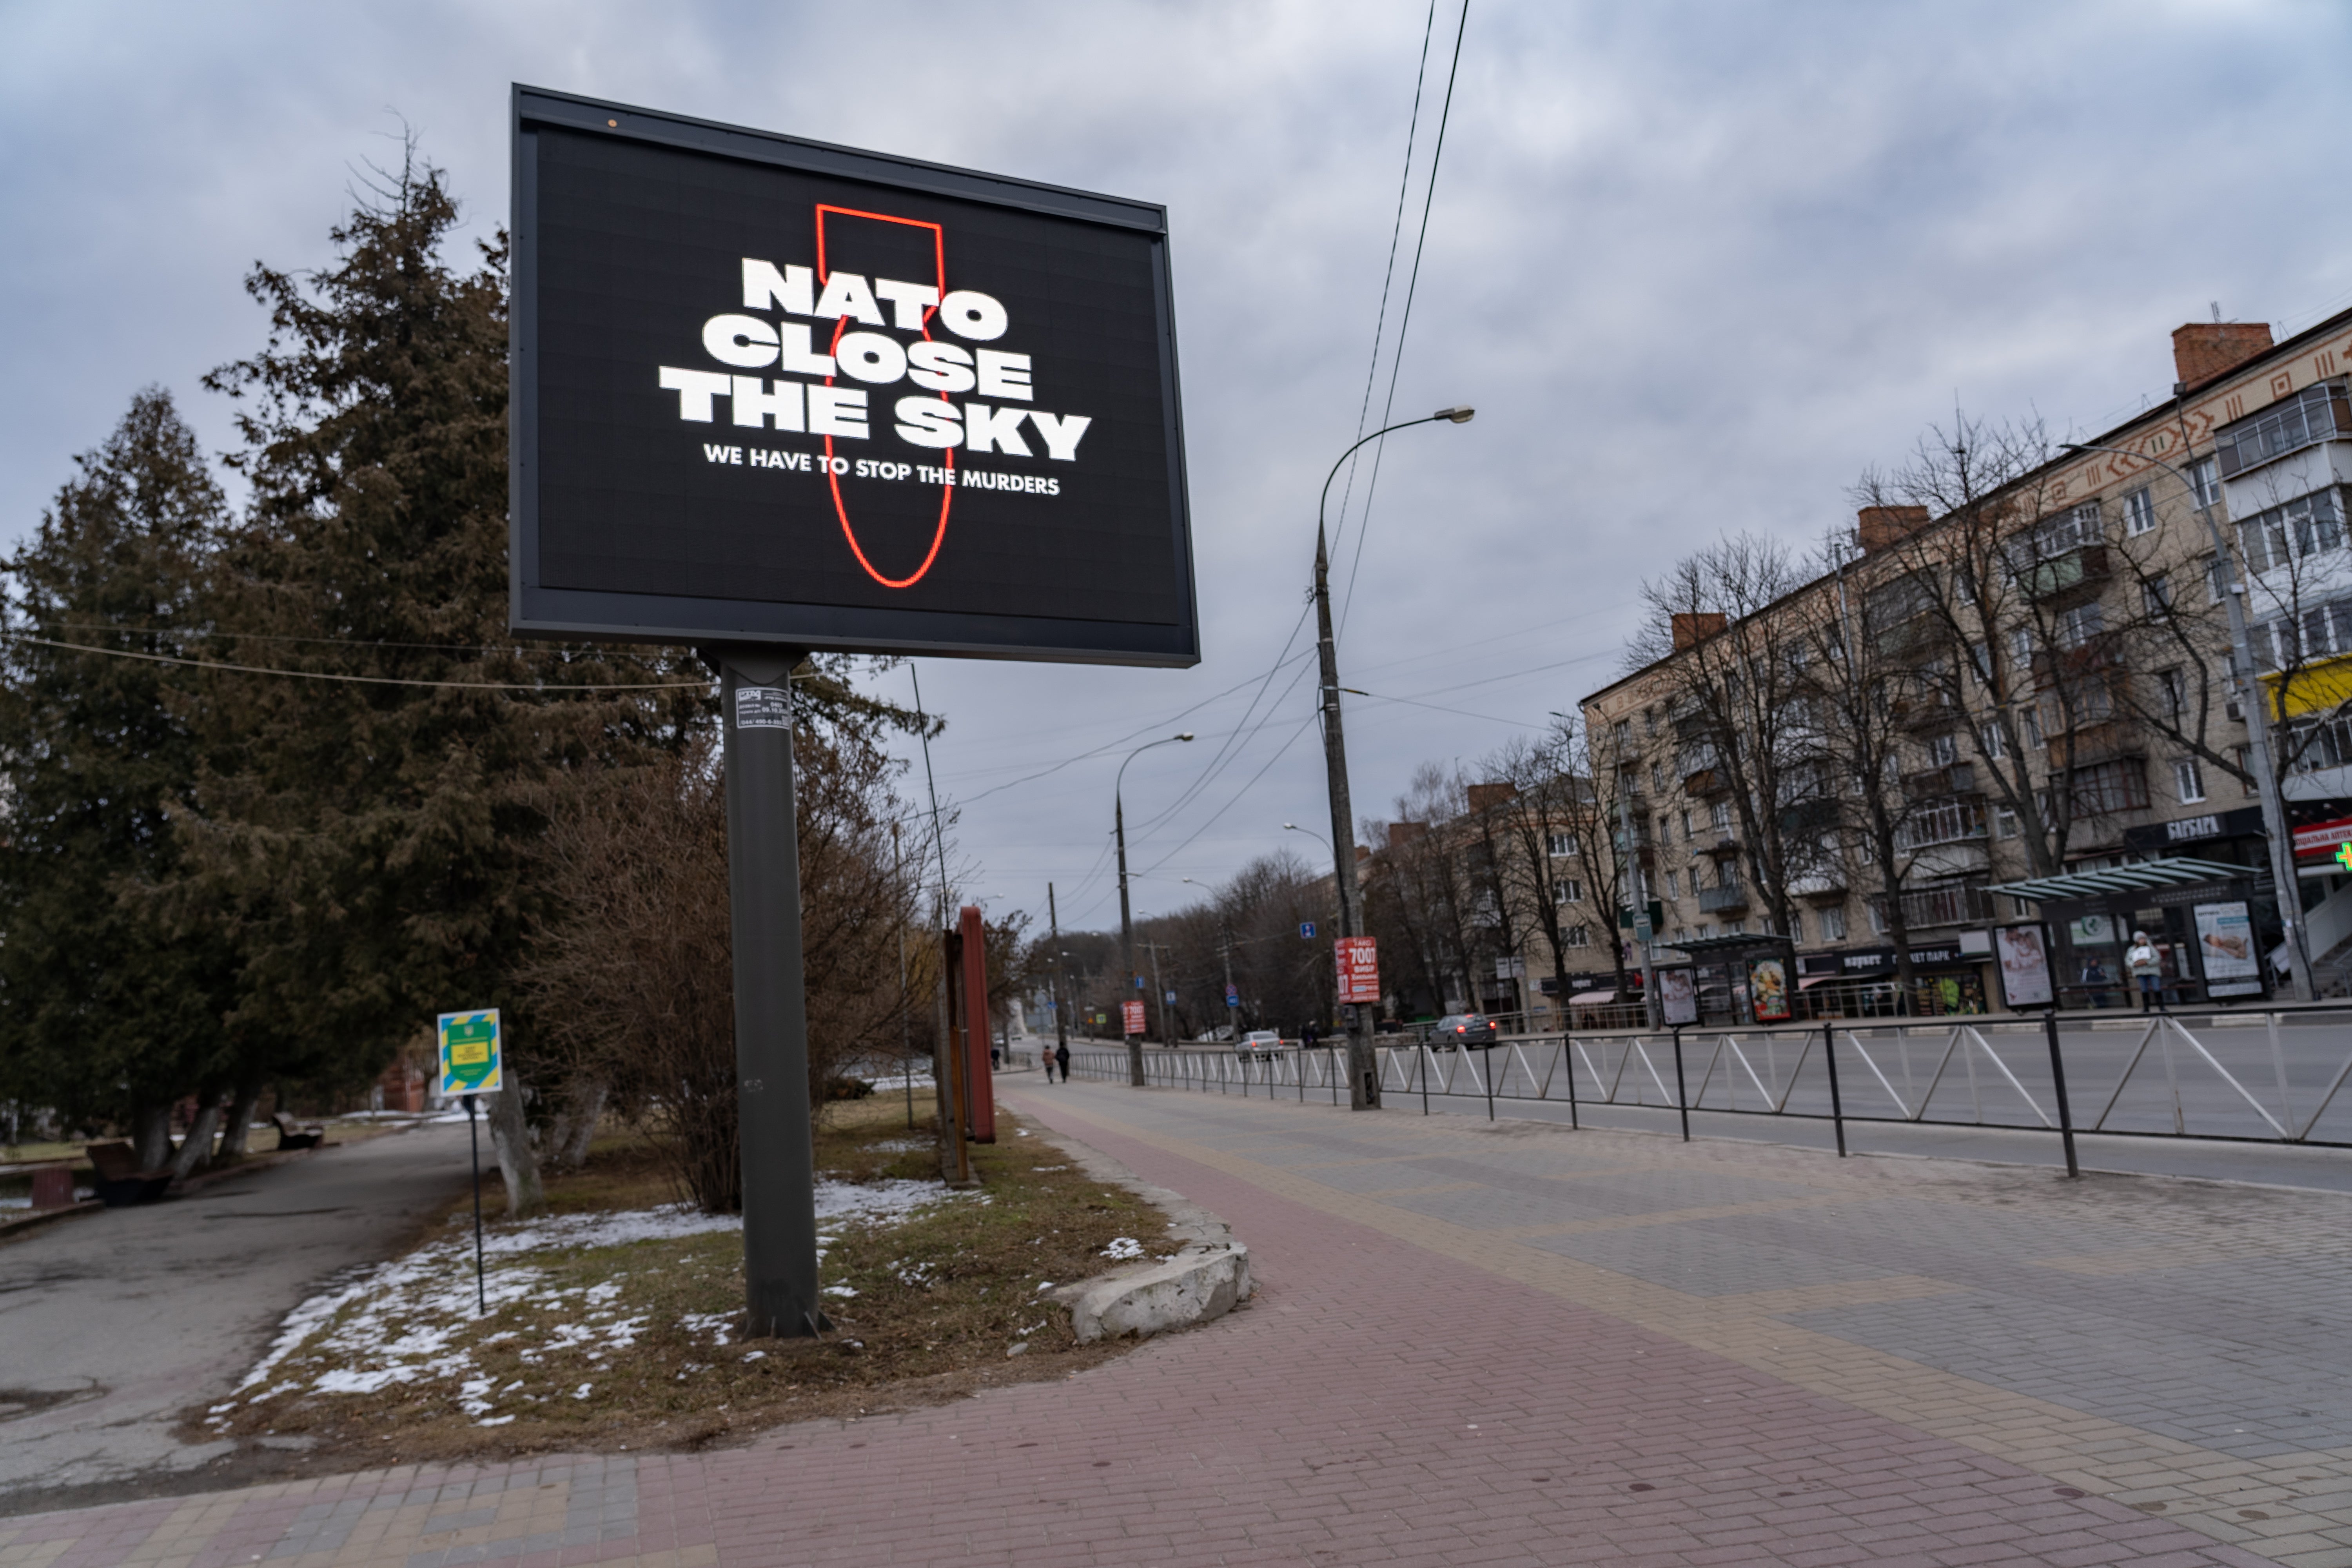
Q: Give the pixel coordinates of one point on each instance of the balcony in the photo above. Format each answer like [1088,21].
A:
[2319,412]
[2079,573]
[1827,884]
[1954,821]
[1707,784]
[1953,904]
[1958,778]
[1731,900]
[1723,846]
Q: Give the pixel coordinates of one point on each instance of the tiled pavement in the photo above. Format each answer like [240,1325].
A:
[1517,1344]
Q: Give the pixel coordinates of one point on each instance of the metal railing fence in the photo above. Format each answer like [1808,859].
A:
[2223,1074]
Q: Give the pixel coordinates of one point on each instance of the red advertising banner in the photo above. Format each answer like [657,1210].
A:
[1132,1013]
[1359,957]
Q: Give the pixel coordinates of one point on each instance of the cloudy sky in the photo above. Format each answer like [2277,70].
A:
[1696,265]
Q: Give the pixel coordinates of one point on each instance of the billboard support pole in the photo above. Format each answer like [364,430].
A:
[764,889]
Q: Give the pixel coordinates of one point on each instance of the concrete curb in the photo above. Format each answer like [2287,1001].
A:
[1208,1276]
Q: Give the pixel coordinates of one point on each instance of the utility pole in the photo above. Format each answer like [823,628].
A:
[905,1022]
[1159,994]
[1363,1080]
[1232,992]
[1061,989]
[1125,919]
[2286,886]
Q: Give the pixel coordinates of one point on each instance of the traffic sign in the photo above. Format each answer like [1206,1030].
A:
[1233,995]
[469,1053]
[1307,931]
[1170,999]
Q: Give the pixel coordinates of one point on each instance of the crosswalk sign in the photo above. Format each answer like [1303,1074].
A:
[469,1053]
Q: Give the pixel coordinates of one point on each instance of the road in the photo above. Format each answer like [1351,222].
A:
[1517,1344]
[112,1323]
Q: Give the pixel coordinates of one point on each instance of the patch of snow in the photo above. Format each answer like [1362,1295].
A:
[581,1392]
[839,1290]
[1122,1248]
[494,1421]
[755,1355]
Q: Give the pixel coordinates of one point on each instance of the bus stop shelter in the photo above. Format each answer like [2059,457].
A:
[2210,927]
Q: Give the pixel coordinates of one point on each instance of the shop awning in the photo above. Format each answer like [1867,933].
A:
[1591,998]
[2176,871]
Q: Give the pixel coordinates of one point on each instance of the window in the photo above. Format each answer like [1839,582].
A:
[1796,925]
[2307,525]
[2021,646]
[2033,728]
[1658,777]
[1622,733]
[2188,781]
[1649,720]
[2320,632]
[2172,695]
[1571,891]
[1577,936]
[1877,915]
[2078,625]
[2139,512]
[2118,785]
[2212,564]
[2156,594]
[1989,740]
[2004,822]
[1687,827]
[1559,845]
[1981,662]
[1943,751]
[1674,885]
[1833,924]
[2205,481]
[1719,816]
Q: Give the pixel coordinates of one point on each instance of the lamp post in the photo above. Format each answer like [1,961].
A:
[1363,1084]
[2284,884]
[1126,920]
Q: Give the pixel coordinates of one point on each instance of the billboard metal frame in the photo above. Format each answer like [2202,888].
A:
[537,610]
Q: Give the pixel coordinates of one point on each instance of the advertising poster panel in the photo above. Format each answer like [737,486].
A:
[2023,951]
[1358,959]
[2225,946]
[1767,990]
[770,390]
[1132,1015]
[470,1058]
[1679,996]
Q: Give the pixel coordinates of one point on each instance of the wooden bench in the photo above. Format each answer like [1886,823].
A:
[292,1137]
[120,1182]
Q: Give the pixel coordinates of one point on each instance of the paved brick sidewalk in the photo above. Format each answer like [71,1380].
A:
[1520,1345]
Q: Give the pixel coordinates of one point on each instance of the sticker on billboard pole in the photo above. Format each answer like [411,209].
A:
[469,1053]
[1131,1014]
[1359,961]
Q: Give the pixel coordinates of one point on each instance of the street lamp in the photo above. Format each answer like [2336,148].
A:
[1363,1083]
[1293,827]
[1126,920]
[2284,884]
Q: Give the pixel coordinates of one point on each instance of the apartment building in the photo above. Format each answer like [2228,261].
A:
[2017,697]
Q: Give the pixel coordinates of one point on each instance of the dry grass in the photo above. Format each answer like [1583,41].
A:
[941,1298]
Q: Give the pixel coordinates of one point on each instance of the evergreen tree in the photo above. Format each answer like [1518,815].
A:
[366,831]
[106,1012]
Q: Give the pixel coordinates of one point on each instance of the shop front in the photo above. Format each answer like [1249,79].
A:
[1865,983]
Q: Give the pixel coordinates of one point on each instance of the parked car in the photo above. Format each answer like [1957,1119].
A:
[1259,1043]
[1464,1032]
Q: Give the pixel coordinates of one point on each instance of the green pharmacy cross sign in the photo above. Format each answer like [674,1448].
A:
[469,1053]
[2344,855]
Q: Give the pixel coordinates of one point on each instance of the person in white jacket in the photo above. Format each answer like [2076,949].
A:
[2146,966]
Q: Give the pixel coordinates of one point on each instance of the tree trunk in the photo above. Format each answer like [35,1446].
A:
[241,1107]
[151,1135]
[511,1137]
[568,1141]
[196,1148]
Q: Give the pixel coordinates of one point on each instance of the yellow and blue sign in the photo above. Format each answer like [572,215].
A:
[469,1053]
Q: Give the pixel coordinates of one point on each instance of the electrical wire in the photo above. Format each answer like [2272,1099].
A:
[1404,323]
[362,680]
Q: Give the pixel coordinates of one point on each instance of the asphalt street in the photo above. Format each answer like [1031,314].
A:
[113,1323]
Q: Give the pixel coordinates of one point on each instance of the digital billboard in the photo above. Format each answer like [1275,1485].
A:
[769,390]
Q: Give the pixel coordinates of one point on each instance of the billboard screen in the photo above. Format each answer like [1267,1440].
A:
[767,390]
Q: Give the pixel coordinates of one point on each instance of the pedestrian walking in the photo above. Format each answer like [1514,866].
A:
[1061,1054]
[2146,966]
